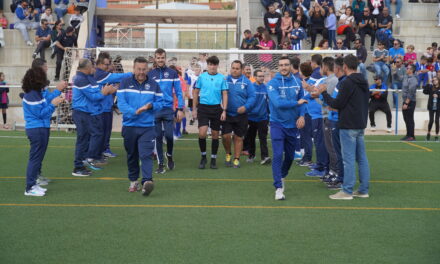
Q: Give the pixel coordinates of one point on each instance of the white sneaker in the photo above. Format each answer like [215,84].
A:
[397,16]
[283,182]
[279,194]
[34,192]
[40,188]
[373,128]
[42,182]
[389,130]
[29,43]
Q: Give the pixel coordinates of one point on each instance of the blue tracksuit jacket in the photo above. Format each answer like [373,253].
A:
[168,79]
[242,93]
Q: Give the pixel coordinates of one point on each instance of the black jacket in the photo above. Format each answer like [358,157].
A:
[274,18]
[428,90]
[351,102]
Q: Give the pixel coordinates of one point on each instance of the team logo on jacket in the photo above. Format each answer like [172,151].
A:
[166,74]
[270,88]
[242,86]
[147,87]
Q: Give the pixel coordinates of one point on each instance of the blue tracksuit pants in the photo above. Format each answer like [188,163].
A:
[39,139]
[164,122]
[107,121]
[318,138]
[306,138]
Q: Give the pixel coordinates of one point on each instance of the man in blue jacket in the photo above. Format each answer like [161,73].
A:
[103,77]
[24,20]
[139,98]
[169,83]
[87,110]
[258,119]
[241,100]
[285,94]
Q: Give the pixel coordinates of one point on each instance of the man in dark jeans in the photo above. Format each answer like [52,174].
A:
[65,40]
[42,37]
[367,26]
[378,101]
[409,90]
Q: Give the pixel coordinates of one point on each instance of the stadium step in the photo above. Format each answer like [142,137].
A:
[416,28]
[23,55]
[15,72]
[13,38]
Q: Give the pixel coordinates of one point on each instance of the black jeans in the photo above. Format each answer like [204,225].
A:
[249,140]
[349,37]
[42,45]
[315,31]
[60,57]
[433,113]
[367,31]
[408,117]
[382,106]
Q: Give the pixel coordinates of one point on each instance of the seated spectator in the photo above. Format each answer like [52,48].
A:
[384,27]
[398,72]
[286,45]
[378,101]
[38,6]
[346,26]
[380,59]
[398,6]
[47,15]
[422,71]
[429,52]
[286,25]
[317,17]
[357,7]
[326,3]
[340,6]
[3,20]
[303,4]
[42,38]
[431,70]
[76,20]
[330,25]
[66,40]
[24,20]
[267,3]
[410,56]
[437,65]
[54,34]
[297,35]
[266,44]
[83,5]
[300,16]
[272,22]
[61,8]
[376,7]
[396,51]
[249,42]
[361,54]
[259,34]
[339,46]
[323,45]
[367,26]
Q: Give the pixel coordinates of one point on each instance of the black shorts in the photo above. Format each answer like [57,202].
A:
[237,124]
[190,103]
[3,106]
[209,115]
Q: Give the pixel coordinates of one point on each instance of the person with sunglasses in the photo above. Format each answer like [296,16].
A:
[396,51]
[42,38]
[367,26]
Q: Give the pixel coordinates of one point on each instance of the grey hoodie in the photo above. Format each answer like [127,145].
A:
[409,87]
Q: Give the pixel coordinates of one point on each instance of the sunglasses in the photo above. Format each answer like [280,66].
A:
[338,42]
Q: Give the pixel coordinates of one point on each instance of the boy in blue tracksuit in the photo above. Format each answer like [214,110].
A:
[103,77]
[38,107]
[241,100]
[258,119]
[139,98]
[169,83]
[286,116]
[87,109]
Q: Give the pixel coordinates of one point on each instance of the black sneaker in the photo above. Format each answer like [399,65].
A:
[404,138]
[170,162]
[160,169]
[334,186]
[191,122]
[52,56]
[213,164]
[327,177]
[202,163]
[147,188]
[184,132]
[81,172]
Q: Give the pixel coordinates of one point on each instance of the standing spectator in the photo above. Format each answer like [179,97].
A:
[49,17]
[317,17]
[361,54]
[3,20]
[380,59]
[398,72]
[301,17]
[396,52]
[266,44]
[61,8]
[346,26]
[330,25]
[42,38]
[378,101]
[76,20]
[247,71]
[259,34]
[410,55]
[433,90]
[367,26]
[357,8]
[83,5]
[286,25]
[297,36]
[398,6]
[249,42]
[272,22]
[2,38]
[384,27]
[23,21]
[352,106]
[66,40]
[409,91]
[376,7]
[4,100]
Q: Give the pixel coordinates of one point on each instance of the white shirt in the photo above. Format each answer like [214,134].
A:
[349,20]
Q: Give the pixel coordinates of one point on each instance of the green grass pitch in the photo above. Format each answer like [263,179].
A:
[218,216]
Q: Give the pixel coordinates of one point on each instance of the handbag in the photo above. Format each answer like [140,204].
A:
[341,29]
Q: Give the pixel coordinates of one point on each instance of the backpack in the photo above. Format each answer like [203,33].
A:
[14,5]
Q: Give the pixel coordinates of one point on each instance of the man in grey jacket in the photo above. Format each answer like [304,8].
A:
[398,73]
[409,90]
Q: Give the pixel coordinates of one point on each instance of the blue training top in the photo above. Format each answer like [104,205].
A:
[86,94]
[38,109]
[260,110]
[169,83]
[333,115]
[211,88]
[241,93]
[103,78]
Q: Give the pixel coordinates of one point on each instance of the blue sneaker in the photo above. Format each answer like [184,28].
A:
[315,173]
[298,155]
[91,164]
[304,163]
[313,166]
[108,153]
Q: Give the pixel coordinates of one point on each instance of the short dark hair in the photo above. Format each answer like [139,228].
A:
[102,56]
[306,69]
[77,9]
[34,79]
[295,61]
[42,21]
[256,72]
[434,44]
[329,62]
[247,31]
[38,63]
[339,62]
[317,58]
[284,58]
[140,60]
[239,62]
[213,60]
[413,68]
[423,57]
[430,60]
[69,29]
[159,51]
[351,61]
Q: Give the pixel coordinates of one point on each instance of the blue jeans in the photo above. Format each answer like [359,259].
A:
[39,139]
[283,145]
[139,144]
[363,70]
[382,70]
[353,150]
[318,139]
[398,6]
[331,38]
[337,148]
[306,138]
[60,13]
[164,121]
